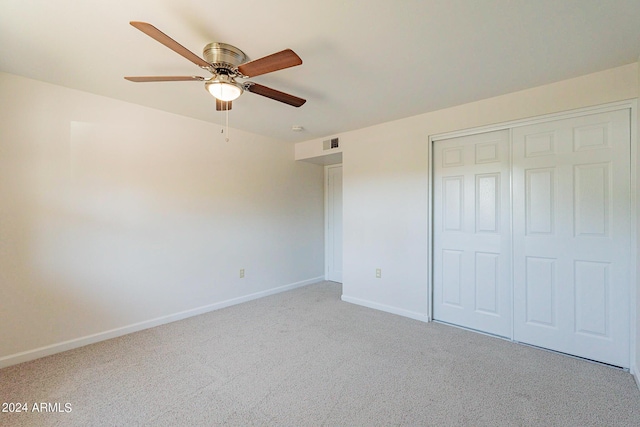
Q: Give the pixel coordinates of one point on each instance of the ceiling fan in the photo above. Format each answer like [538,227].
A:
[225,63]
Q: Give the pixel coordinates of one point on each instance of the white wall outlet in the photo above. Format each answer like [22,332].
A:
[242,273]
[378,273]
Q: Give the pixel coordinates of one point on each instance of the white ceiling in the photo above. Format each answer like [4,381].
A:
[365,61]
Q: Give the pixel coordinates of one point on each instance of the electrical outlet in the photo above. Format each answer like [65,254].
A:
[242,273]
[378,273]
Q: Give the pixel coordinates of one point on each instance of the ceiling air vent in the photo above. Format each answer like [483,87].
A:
[330,143]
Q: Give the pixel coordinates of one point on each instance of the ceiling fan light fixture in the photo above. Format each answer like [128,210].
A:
[224,88]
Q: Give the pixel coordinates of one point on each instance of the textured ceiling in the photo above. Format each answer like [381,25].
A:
[365,62]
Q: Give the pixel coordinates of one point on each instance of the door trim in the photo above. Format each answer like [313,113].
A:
[634,287]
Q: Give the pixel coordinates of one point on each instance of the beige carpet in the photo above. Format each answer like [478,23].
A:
[305,358]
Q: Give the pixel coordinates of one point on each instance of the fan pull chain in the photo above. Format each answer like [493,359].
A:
[227,137]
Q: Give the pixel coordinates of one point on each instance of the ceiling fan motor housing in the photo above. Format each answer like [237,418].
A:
[222,55]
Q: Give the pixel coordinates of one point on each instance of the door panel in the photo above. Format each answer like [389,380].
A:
[487,280]
[571,225]
[334,223]
[540,284]
[540,200]
[472,248]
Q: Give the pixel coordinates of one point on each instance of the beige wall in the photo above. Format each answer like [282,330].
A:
[636,369]
[116,216]
[386,184]
[112,214]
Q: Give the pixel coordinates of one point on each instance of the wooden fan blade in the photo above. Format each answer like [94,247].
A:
[274,62]
[223,105]
[158,35]
[275,94]
[142,79]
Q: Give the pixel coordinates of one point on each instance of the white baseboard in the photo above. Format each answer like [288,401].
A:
[636,374]
[387,308]
[48,350]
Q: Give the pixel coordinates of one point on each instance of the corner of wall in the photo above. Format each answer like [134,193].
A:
[636,363]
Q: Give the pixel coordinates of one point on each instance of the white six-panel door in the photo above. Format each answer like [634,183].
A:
[571,223]
[569,239]
[472,249]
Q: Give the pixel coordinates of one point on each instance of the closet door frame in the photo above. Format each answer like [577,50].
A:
[631,106]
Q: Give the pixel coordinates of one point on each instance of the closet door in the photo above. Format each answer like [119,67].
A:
[571,225]
[472,248]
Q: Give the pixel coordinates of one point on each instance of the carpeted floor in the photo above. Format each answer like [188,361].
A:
[305,358]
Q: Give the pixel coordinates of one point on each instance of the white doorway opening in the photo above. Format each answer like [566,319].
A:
[333,223]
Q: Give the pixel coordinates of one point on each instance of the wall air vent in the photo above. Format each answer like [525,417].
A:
[330,143]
